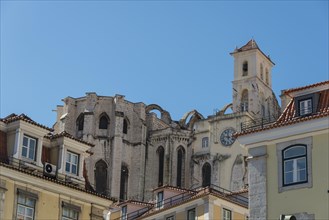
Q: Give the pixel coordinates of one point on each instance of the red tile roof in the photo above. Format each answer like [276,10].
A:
[305,87]
[13,117]
[65,134]
[289,116]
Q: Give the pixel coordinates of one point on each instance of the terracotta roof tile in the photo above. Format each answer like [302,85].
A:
[305,87]
[13,117]
[289,116]
[65,134]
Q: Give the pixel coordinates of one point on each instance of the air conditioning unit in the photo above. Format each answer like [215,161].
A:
[287,217]
[49,169]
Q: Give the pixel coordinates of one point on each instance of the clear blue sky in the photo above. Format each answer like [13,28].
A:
[171,53]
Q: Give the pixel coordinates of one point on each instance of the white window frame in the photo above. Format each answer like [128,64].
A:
[26,201]
[29,155]
[295,170]
[205,142]
[69,163]
[70,214]
[227,214]
[305,106]
[193,211]
[280,147]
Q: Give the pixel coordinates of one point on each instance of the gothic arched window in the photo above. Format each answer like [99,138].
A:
[80,122]
[245,68]
[180,166]
[160,153]
[206,175]
[103,122]
[244,101]
[124,183]
[125,126]
[101,177]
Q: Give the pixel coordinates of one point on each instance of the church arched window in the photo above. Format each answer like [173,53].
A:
[180,166]
[124,183]
[160,153]
[261,72]
[244,101]
[206,174]
[80,122]
[103,121]
[125,126]
[245,68]
[101,177]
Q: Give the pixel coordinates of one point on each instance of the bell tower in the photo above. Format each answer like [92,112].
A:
[252,84]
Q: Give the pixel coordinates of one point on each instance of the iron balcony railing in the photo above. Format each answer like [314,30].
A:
[259,123]
[230,195]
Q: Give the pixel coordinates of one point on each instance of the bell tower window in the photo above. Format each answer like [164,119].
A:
[245,68]
[244,101]
[261,72]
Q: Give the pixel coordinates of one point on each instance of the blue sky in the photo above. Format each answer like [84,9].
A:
[171,53]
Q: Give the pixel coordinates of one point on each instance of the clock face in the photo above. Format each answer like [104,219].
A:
[227,138]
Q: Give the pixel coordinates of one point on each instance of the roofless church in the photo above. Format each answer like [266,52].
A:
[139,147]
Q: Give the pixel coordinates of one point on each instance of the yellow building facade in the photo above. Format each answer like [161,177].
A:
[288,159]
[39,178]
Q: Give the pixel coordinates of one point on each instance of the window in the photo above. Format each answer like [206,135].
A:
[206,175]
[72,163]
[70,211]
[191,214]
[160,200]
[29,147]
[25,207]
[170,218]
[205,142]
[69,214]
[245,68]
[80,121]
[124,182]
[227,214]
[294,165]
[124,212]
[103,122]
[305,107]
[261,72]
[101,177]
[125,126]
[160,152]
[180,166]
[244,101]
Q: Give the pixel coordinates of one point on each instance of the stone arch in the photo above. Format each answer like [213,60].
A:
[165,116]
[180,174]
[160,152]
[104,121]
[101,177]
[225,108]
[195,116]
[206,174]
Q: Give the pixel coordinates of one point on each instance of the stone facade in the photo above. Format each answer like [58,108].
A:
[137,150]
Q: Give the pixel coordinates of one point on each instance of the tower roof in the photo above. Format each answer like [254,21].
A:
[251,45]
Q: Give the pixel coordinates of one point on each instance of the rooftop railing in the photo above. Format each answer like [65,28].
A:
[259,123]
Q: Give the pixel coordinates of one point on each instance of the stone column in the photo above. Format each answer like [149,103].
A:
[117,152]
[257,183]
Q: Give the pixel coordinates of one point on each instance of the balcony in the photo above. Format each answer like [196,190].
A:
[259,123]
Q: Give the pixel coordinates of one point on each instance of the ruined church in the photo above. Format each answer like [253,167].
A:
[136,150]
